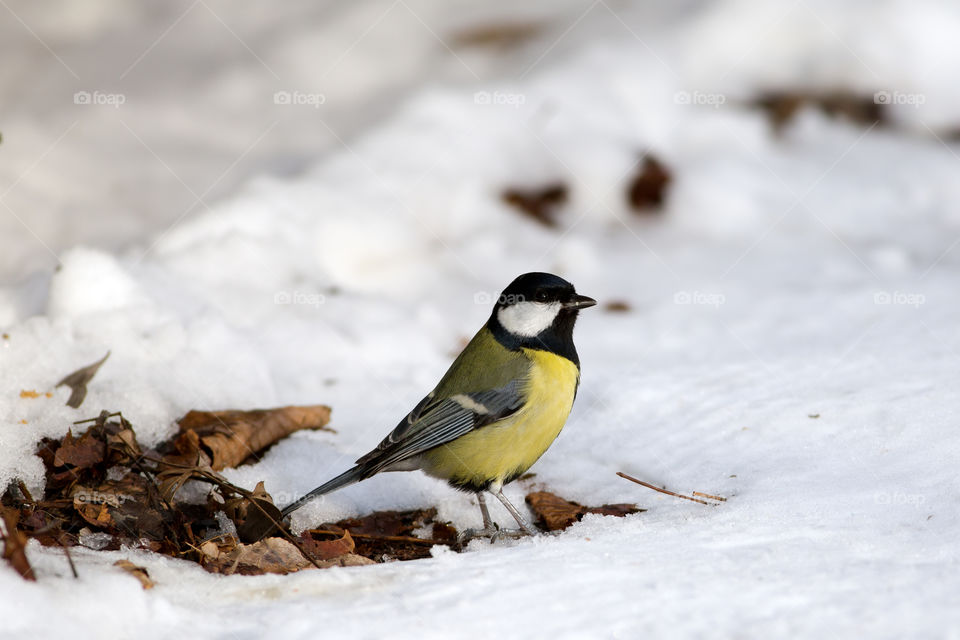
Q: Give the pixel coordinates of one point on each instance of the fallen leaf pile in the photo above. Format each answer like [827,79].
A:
[105,491]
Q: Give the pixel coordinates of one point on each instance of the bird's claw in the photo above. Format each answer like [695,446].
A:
[493,534]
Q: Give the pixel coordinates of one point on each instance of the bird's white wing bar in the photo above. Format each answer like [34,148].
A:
[470,404]
[446,420]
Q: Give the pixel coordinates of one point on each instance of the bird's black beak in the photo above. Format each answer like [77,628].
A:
[579,302]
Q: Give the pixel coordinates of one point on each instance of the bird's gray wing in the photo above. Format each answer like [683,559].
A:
[437,421]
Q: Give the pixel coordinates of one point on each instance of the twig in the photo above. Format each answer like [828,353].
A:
[66,552]
[100,417]
[26,492]
[662,490]
[707,495]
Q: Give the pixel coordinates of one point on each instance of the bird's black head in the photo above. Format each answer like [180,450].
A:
[538,311]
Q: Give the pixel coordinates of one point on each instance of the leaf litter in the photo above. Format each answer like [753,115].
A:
[106,492]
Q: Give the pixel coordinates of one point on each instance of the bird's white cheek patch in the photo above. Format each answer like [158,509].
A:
[527,319]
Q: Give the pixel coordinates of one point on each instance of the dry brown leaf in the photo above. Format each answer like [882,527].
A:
[500,36]
[123,445]
[230,437]
[210,550]
[15,544]
[325,549]
[782,106]
[444,532]
[82,452]
[553,513]
[648,187]
[137,572]
[255,516]
[78,380]
[617,510]
[273,555]
[541,204]
[348,560]
[181,466]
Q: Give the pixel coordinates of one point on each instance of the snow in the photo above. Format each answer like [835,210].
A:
[791,341]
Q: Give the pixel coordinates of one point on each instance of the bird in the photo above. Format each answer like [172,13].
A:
[498,408]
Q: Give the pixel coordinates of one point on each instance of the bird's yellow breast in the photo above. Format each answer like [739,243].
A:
[501,451]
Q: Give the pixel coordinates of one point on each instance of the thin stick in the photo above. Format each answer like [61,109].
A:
[99,417]
[661,490]
[66,552]
[707,495]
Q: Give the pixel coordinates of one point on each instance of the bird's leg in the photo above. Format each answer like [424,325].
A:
[490,529]
[487,522]
[525,527]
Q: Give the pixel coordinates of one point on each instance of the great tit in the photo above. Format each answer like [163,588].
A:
[498,408]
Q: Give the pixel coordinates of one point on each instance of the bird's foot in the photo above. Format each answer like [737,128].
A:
[494,533]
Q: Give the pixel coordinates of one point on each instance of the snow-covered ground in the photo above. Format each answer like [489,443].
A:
[792,339]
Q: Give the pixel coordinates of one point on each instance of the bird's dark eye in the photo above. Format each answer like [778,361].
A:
[541,296]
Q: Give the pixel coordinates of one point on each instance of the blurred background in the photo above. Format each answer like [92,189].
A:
[122,120]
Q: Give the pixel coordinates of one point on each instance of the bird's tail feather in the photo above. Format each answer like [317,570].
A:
[344,479]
